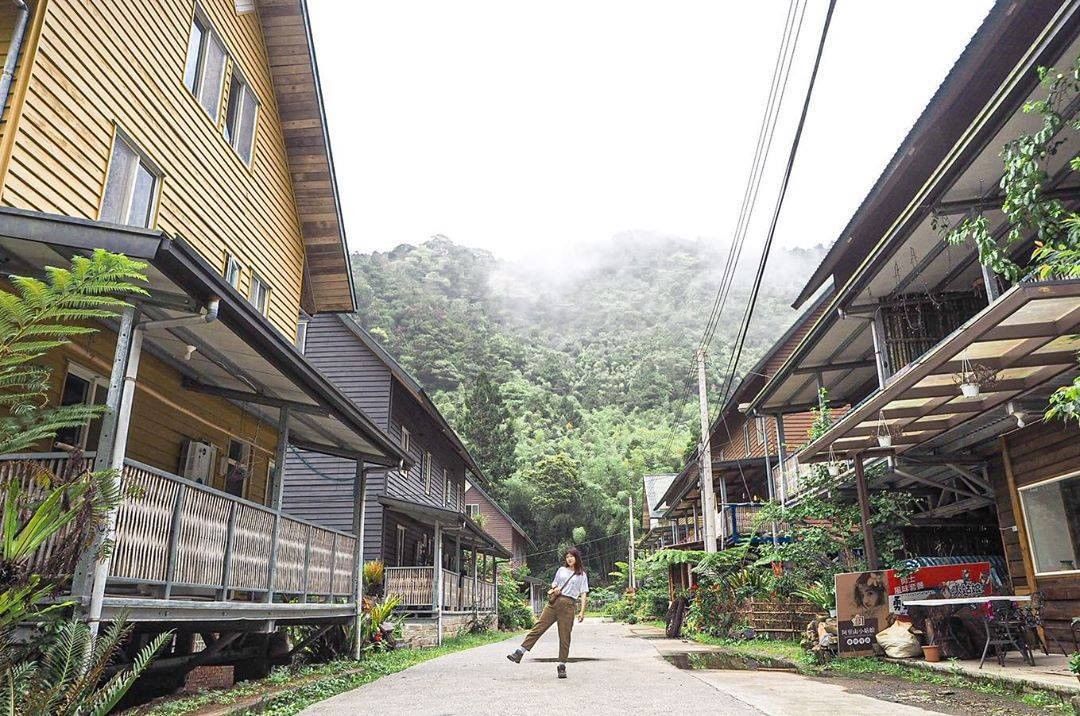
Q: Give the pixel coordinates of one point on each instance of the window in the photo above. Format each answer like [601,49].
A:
[240,117]
[129,188]
[406,440]
[746,438]
[301,333]
[1052,516]
[81,387]
[447,487]
[259,294]
[237,468]
[400,546]
[205,67]
[232,271]
[472,510]
[426,472]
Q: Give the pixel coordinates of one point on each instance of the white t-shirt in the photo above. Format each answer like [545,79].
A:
[577,585]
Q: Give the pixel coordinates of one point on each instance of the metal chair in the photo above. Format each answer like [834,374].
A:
[1033,621]
[1004,628]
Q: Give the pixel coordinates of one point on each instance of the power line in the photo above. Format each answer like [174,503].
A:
[749,312]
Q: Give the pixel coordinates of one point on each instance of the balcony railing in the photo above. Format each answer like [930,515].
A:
[186,539]
[414,587]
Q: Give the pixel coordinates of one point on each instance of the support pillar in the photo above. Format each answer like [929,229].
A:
[278,488]
[881,357]
[457,571]
[708,497]
[359,498]
[111,450]
[869,547]
[782,455]
[437,584]
[475,583]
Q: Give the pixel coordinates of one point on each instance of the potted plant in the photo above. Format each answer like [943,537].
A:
[972,378]
[884,431]
[1074,664]
[932,651]
[820,595]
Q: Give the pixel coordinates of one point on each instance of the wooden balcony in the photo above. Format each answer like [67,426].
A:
[183,550]
[415,588]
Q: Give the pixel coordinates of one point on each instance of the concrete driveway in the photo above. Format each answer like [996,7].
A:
[612,670]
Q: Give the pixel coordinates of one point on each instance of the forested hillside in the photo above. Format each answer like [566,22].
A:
[569,382]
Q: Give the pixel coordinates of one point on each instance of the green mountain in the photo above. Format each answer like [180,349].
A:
[591,358]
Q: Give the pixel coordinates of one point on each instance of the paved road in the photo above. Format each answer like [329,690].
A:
[613,670]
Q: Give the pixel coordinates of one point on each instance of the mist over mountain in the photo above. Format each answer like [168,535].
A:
[592,356]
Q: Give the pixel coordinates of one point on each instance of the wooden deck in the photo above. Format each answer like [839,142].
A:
[414,587]
[184,552]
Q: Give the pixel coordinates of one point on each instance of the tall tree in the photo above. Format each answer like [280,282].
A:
[489,430]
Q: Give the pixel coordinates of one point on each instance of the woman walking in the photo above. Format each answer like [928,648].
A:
[570,585]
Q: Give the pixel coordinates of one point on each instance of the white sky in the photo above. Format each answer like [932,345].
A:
[531,128]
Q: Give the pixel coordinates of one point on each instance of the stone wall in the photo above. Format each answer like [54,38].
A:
[420,632]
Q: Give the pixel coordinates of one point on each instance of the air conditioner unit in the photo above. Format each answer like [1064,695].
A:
[197,461]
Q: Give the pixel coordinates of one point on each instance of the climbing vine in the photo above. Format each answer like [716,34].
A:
[1030,210]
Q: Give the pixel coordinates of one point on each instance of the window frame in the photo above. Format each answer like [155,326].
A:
[247,462]
[231,263]
[405,442]
[1027,525]
[228,133]
[472,509]
[400,546]
[446,489]
[302,325]
[94,381]
[201,19]
[142,160]
[258,281]
[425,471]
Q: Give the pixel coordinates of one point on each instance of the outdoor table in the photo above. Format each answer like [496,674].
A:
[1026,653]
[961,600]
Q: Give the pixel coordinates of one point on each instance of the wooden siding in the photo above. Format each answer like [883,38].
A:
[424,435]
[350,365]
[1035,454]
[293,69]
[164,415]
[493,521]
[107,65]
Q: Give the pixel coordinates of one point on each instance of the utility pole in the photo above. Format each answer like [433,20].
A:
[630,569]
[708,497]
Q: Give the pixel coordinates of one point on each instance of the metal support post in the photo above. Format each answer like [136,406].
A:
[437,584]
[359,497]
[279,459]
[111,450]
[881,356]
[630,564]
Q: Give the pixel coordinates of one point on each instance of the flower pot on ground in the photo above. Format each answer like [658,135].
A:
[932,652]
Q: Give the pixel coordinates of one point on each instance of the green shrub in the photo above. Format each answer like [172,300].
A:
[514,609]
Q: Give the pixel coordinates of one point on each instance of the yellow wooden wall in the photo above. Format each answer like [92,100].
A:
[120,63]
[164,414]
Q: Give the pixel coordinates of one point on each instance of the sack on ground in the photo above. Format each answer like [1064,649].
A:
[898,641]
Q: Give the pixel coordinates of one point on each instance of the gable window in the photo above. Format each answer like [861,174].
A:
[240,117]
[259,294]
[301,333]
[232,271]
[406,440]
[1052,516]
[448,487]
[426,471]
[472,510]
[129,188]
[746,439]
[204,70]
[82,387]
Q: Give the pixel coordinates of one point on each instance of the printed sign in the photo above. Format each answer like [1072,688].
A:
[864,600]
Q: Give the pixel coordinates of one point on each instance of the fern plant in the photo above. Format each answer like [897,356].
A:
[67,679]
[41,315]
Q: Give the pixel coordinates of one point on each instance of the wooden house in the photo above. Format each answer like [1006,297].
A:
[190,135]
[484,509]
[413,518]
[906,314]
[657,531]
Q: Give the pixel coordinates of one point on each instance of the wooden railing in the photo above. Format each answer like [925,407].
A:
[183,537]
[414,587]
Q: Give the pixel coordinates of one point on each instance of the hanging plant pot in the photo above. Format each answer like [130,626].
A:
[884,440]
[834,469]
[969,390]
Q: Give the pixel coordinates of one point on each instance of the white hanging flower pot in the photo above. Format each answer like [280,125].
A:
[834,469]
[969,390]
[884,440]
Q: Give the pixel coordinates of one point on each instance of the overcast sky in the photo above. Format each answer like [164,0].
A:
[531,128]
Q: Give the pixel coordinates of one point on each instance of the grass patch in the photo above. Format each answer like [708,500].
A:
[300,687]
[866,667]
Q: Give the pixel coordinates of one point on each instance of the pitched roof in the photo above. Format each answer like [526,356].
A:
[416,391]
[516,527]
[655,487]
[328,282]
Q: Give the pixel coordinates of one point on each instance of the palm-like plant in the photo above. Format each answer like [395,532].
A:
[67,680]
